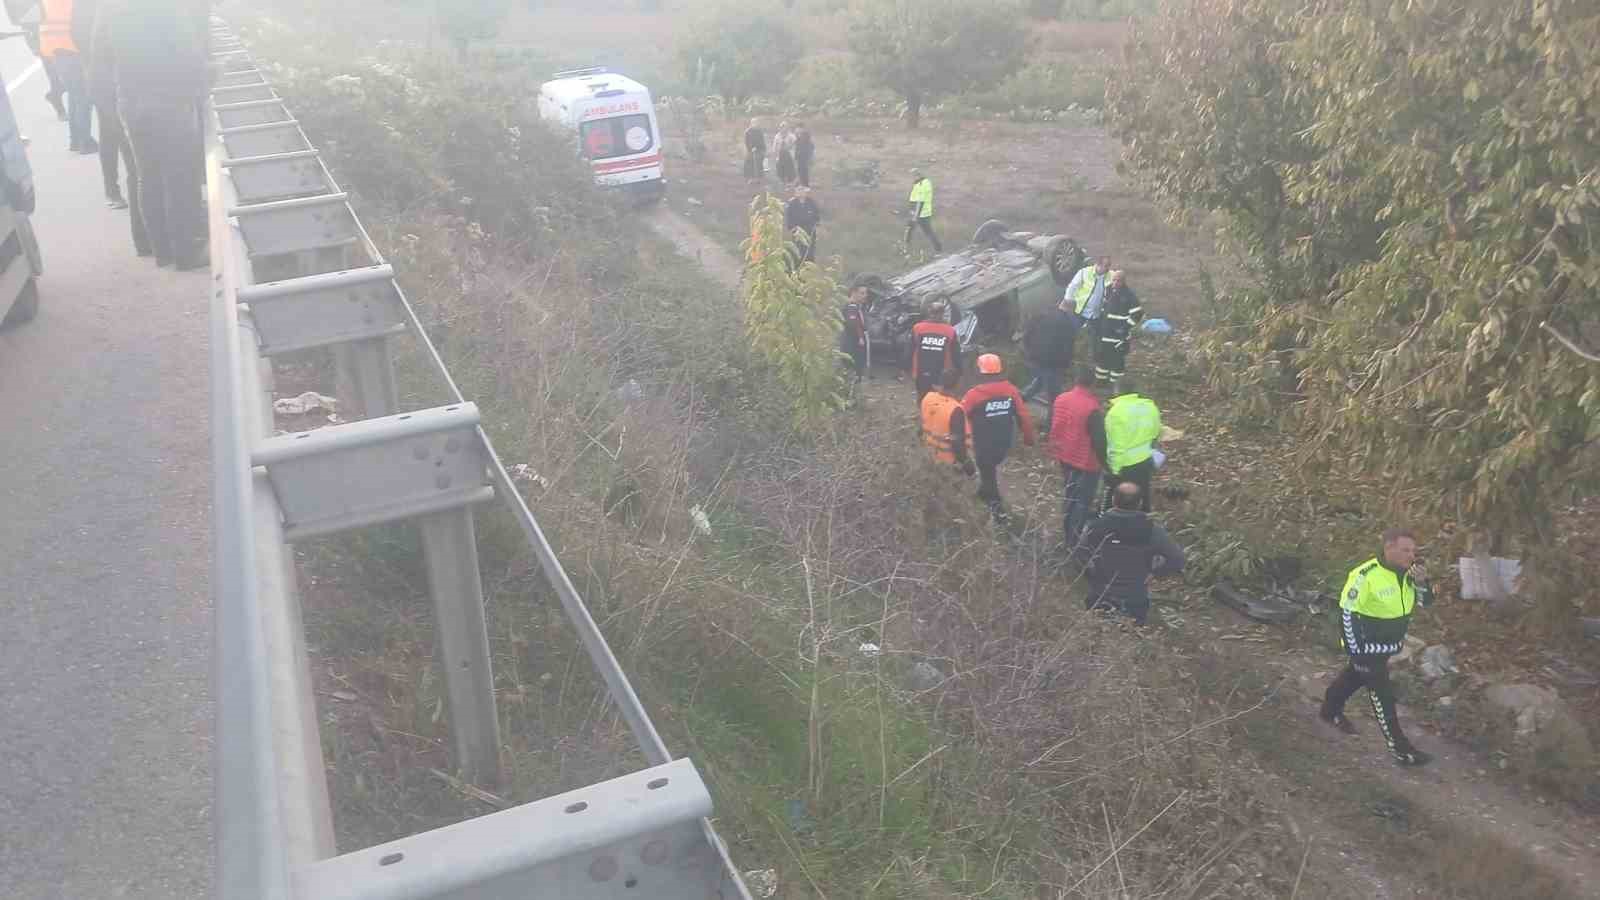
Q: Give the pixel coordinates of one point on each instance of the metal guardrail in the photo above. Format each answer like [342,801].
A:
[294,269]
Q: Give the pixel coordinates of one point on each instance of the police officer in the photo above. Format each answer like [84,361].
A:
[1376,605]
[994,409]
[1133,424]
[934,348]
[920,212]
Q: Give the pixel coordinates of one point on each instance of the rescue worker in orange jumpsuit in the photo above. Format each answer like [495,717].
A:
[934,349]
[994,409]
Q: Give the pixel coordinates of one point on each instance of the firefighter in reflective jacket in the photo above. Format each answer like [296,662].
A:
[1376,604]
[934,349]
[994,409]
[1120,315]
[944,423]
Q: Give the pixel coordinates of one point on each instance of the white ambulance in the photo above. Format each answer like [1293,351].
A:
[615,123]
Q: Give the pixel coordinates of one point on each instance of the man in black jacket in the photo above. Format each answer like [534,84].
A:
[1121,551]
[1047,346]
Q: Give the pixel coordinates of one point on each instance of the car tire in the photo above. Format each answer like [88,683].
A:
[990,233]
[1064,257]
[26,307]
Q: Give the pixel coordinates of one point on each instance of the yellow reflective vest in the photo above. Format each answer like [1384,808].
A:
[922,195]
[1377,592]
[1133,423]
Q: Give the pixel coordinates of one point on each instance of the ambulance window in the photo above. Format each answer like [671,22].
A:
[617,136]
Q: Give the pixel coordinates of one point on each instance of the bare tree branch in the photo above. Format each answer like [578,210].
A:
[1569,343]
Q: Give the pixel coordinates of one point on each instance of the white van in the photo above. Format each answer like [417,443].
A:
[615,123]
[20,263]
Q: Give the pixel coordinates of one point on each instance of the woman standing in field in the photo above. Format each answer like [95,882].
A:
[783,144]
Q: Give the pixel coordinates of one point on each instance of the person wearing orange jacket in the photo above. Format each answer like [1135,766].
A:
[994,408]
[934,349]
[56,44]
[944,423]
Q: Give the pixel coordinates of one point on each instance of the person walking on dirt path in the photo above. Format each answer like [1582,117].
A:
[1133,425]
[1078,442]
[921,210]
[783,148]
[944,423]
[1086,290]
[853,336]
[994,410]
[934,348]
[805,150]
[56,43]
[1121,551]
[803,213]
[1120,314]
[1047,346]
[1375,606]
[755,151]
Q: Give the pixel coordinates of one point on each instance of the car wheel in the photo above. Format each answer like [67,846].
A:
[26,307]
[1064,257]
[989,233]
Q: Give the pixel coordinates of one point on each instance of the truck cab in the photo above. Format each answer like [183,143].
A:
[615,124]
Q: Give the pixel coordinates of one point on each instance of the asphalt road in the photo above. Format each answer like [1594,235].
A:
[105,781]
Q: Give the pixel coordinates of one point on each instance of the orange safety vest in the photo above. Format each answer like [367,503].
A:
[55,28]
[936,410]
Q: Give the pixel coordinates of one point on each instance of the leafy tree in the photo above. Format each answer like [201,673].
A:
[1415,189]
[740,52]
[925,49]
[792,317]
[466,21]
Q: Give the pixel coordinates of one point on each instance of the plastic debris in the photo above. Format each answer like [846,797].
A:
[310,401]
[1170,434]
[702,522]
[870,650]
[1273,610]
[762,883]
[525,472]
[1156,326]
[1475,584]
[630,391]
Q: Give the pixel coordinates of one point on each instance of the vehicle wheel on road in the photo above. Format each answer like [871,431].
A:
[989,233]
[26,307]
[1064,257]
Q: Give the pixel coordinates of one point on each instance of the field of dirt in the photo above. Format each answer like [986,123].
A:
[1059,178]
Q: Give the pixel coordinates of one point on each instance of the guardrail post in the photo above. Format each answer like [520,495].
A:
[449,545]
[366,386]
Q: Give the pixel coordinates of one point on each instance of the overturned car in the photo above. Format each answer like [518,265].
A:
[990,288]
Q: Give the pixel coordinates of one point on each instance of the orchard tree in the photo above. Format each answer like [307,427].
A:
[1417,190]
[467,21]
[926,49]
[792,317]
[741,52]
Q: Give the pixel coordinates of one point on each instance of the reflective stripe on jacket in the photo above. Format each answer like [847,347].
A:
[1133,423]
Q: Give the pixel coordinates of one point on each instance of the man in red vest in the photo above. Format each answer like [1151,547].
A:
[934,349]
[1078,442]
[994,408]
